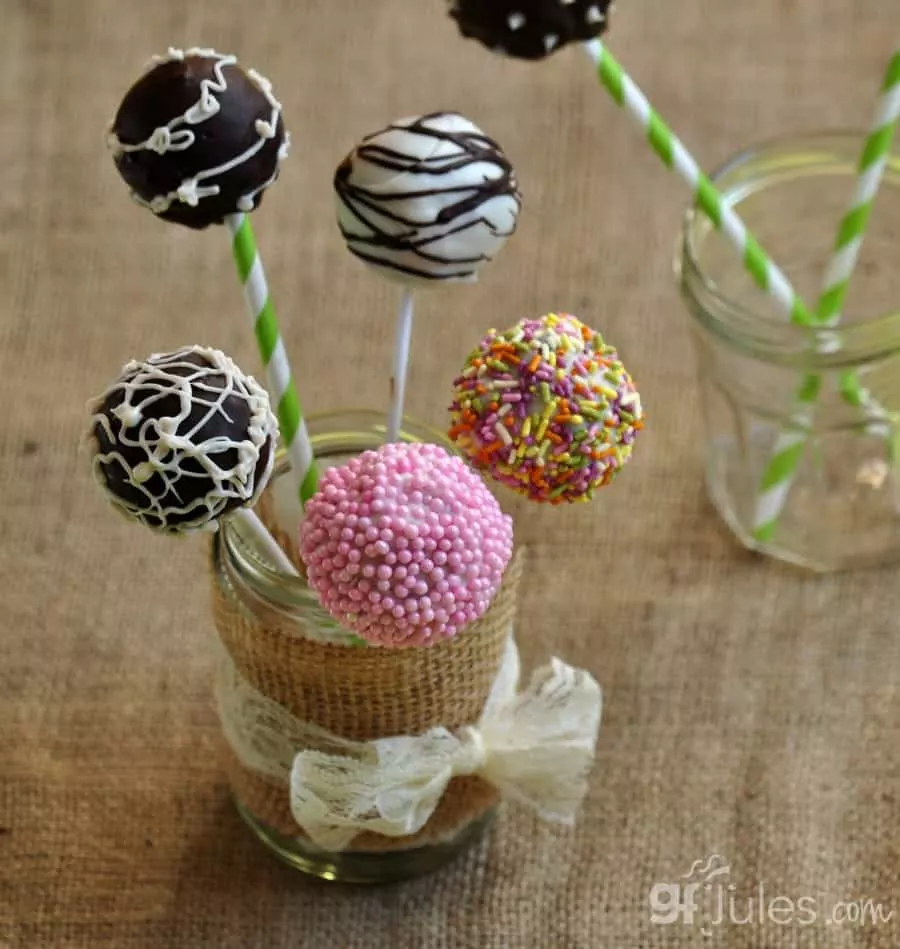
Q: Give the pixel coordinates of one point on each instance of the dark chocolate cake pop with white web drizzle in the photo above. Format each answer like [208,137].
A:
[181,439]
[530,29]
[427,200]
[197,138]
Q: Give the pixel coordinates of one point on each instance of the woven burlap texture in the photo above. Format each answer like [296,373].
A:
[362,694]
[750,710]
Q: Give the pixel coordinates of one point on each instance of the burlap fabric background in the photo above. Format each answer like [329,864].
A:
[750,711]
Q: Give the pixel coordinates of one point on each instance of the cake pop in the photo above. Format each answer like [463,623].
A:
[427,199]
[405,545]
[530,29]
[547,409]
[181,439]
[197,138]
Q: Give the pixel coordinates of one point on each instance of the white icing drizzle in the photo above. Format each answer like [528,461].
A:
[177,134]
[246,201]
[165,444]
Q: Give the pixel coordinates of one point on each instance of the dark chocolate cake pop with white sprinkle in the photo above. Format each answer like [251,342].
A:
[197,138]
[530,29]
[181,439]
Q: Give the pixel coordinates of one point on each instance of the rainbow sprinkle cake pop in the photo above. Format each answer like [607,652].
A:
[405,545]
[547,409]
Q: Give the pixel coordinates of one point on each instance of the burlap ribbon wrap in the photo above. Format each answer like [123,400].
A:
[388,749]
[534,746]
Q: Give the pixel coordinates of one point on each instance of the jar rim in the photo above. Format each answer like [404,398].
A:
[783,340]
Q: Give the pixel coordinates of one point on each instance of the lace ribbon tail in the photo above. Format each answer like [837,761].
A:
[543,746]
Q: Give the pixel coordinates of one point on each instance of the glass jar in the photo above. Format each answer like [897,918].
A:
[281,641]
[832,499]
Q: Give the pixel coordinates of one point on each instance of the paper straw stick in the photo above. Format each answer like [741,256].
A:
[675,156]
[401,364]
[266,541]
[790,445]
[871,168]
[274,358]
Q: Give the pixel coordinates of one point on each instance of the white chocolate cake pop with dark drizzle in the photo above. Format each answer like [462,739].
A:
[530,29]
[181,439]
[427,200]
[197,138]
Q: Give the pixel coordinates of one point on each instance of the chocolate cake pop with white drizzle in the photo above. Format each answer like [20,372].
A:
[427,200]
[181,439]
[530,29]
[197,138]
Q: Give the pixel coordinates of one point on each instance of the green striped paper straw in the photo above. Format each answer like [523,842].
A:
[676,157]
[781,469]
[281,386]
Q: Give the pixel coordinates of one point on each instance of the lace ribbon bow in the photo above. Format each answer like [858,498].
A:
[536,747]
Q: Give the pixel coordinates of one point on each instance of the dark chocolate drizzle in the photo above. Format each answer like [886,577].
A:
[412,237]
[530,29]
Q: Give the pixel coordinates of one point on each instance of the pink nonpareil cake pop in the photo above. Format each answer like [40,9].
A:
[547,409]
[405,545]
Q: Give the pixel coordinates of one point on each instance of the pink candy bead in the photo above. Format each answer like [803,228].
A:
[424,529]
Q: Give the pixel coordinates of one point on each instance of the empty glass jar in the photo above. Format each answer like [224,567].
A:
[801,425]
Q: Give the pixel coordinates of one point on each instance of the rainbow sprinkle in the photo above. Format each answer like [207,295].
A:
[547,409]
